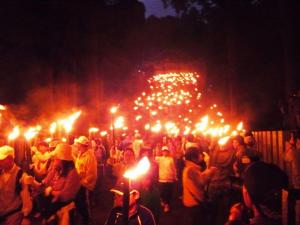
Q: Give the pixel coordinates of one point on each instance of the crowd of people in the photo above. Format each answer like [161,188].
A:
[217,183]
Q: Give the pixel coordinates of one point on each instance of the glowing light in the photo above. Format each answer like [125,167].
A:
[114,109]
[14,134]
[223,140]
[156,128]
[103,133]
[93,130]
[52,128]
[240,126]
[30,133]
[2,107]
[147,127]
[68,123]
[142,168]
[48,140]
[119,122]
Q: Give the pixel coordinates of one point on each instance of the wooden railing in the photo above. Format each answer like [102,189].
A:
[272,146]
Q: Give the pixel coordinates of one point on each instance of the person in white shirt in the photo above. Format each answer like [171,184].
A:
[167,177]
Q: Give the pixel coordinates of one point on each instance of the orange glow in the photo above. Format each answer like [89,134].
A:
[93,130]
[142,168]
[119,122]
[14,134]
[103,133]
[114,109]
[223,140]
[30,133]
[2,107]
[68,123]
[52,129]
[240,126]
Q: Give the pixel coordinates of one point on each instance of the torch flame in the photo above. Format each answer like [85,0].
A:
[103,133]
[68,123]
[31,133]
[239,126]
[119,123]
[14,134]
[2,107]
[223,140]
[93,130]
[53,128]
[142,168]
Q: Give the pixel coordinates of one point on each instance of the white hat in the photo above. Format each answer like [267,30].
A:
[165,148]
[82,140]
[6,151]
[63,151]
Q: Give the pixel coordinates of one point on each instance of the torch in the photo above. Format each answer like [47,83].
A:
[113,111]
[132,174]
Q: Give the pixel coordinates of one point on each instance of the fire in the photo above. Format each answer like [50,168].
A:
[52,128]
[2,107]
[142,168]
[114,109]
[68,123]
[14,134]
[31,133]
[223,140]
[93,130]
[119,122]
[240,126]
[103,133]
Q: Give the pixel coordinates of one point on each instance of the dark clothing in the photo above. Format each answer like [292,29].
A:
[196,215]
[143,216]
[166,191]
[259,220]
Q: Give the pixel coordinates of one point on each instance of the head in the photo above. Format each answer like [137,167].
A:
[43,147]
[7,155]
[237,141]
[193,154]
[118,192]
[128,156]
[165,151]
[262,187]
[249,139]
[295,139]
[82,144]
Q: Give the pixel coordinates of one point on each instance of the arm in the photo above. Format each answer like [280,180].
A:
[25,196]
[70,189]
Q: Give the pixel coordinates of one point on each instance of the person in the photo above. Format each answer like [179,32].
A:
[60,186]
[167,177]
[292,156]
[194,183]
[137,144]
[137,213]
[41,161]
[262,194]
[15,202]
[244,156]
[149,196]
[86,166]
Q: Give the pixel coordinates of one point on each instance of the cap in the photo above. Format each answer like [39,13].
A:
[6,151]
[120,187]
[63,151]
[165,148]
[82,140]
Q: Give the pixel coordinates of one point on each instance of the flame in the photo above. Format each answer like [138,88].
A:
[48,140]
[114,109]
[14,134]
[156,128]
[68,123]
[2,107]
[240,126]
[93,130]
[31,133]
[103,133]
[142,168]
[64,139]
[52,128]
[223,140]
[119,122]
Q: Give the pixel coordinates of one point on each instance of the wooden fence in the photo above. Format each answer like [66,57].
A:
[272,146]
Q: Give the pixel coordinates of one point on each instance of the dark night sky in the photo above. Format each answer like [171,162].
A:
[88,52]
